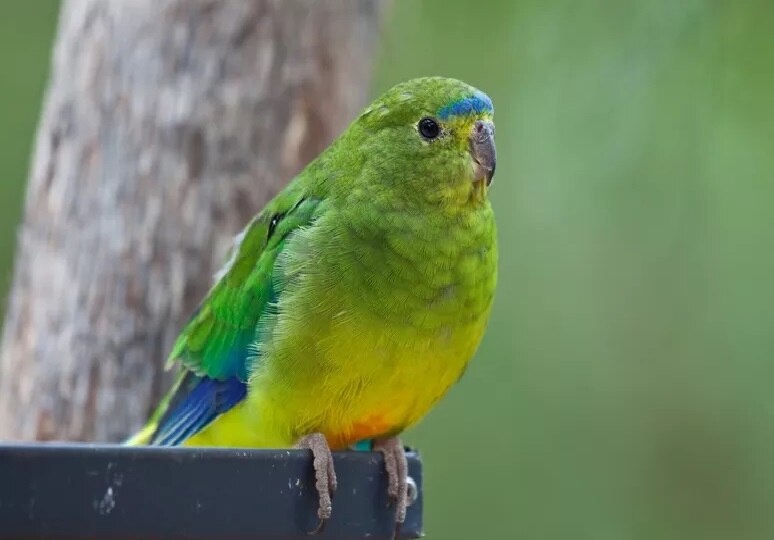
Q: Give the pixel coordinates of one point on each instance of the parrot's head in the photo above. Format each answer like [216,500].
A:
[434,137]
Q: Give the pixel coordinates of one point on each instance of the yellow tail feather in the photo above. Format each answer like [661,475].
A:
[143,436]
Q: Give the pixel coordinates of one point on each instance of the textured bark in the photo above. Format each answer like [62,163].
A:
[167,125]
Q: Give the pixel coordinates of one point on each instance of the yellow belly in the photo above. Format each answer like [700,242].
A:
[368,381]
[388,387]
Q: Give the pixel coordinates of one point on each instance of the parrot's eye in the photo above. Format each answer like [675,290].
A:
[429,128]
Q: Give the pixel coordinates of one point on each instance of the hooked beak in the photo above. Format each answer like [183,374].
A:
[482,149]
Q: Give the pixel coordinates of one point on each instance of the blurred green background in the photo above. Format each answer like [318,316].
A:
[625,389]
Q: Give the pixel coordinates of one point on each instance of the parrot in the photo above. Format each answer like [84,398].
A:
[352,303]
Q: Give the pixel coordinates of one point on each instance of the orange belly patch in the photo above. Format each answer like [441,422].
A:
[370,427]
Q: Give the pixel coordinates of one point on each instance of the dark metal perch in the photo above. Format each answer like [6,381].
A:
[109,492]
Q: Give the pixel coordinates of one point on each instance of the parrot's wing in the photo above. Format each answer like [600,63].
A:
[215,344]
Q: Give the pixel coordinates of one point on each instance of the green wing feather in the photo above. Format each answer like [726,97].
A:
[216,340]
[215,344]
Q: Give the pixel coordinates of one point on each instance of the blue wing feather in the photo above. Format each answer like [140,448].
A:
[207,399]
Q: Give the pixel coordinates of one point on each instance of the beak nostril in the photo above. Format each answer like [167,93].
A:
[482,131]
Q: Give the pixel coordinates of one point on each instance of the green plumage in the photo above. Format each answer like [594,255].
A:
[355,299]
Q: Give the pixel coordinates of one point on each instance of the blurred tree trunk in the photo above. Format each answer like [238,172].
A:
[167,124]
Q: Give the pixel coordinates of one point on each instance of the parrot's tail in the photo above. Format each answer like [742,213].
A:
[143,436]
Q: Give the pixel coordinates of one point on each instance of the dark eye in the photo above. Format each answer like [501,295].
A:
[429,128]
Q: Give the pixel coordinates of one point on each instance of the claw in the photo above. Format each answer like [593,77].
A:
[325,476]
[396,465]
[320,527]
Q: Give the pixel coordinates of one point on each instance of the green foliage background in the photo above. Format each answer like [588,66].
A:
[624,389]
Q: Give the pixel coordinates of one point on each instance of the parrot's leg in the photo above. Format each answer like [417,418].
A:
[324,474]
[397,476]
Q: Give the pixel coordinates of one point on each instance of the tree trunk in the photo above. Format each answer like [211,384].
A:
[167,125]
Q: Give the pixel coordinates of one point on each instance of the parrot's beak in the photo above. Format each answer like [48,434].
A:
[482,149]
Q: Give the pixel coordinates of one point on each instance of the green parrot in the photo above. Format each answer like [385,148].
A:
[353,302]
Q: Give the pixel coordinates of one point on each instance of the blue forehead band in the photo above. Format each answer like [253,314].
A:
[477,103]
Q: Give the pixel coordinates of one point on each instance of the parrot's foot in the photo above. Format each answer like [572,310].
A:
[324,474]
[397,476]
